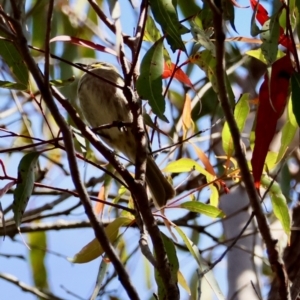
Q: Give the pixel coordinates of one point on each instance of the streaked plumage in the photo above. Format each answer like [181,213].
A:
[103,103]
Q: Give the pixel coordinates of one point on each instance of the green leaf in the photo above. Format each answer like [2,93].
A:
[151,33]
[62,82]
[166,16]
[241,112]
[188,8]
[183,283]
[228,11]
[290,114]
[266,182]
[25,184]
[201,38]
[270,36]
[202,208]
[206,16]
[102,272]
[15,62]
[288,132]
[214,196]
[282,16]
[254,28]
[93,249]
[281,211]
[279,203]
[149,83]
[297,5]
[12,85]
[208,276]
[296,96]
[186,165]
[37,254]
[39,15]
[271,159]
[174,265]
[207,62]
[257,53]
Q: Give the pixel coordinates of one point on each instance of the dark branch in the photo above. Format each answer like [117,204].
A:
[264,229]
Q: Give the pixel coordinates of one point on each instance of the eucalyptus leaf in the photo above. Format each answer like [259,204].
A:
[166,16]
[149,83]
[15,62]
[296,96]
[25,184]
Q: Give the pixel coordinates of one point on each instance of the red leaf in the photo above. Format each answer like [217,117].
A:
[271,107]
[82,42]
[261,14]
[166,73]
[179,74]
[237,5]
[285,41]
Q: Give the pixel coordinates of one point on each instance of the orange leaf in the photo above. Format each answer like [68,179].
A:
[205,160]
[179,74]
[99,207]
[187,121]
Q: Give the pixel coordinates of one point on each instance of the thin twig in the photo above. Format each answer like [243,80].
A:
[55,143]
[138,36]
[47,43]
[107,22]
[229,247]
[100,234]
[73,193]
[27,288]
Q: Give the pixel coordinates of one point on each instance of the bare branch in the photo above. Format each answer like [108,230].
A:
[27,288]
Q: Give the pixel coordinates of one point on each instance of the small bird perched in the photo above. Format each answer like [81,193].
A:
[103,103]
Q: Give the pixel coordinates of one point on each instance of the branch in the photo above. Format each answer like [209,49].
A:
[100,234]
[138,37]
[41,226]
[55,143]
[229,247]
[127,39]
[137,189]
[27,288]
[47,43]
[263,227]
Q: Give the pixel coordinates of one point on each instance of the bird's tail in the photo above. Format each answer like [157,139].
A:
[159,186]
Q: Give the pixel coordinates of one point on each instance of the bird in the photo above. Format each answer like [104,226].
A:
[104,103]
